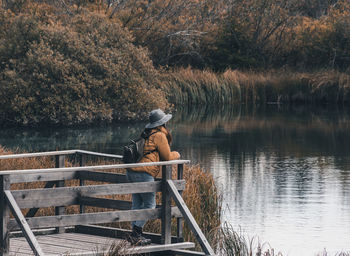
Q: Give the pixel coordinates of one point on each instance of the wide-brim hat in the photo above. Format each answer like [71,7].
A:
[157,117]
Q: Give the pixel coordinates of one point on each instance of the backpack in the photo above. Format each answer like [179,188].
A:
[133,152]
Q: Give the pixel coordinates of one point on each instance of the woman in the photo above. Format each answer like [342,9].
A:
[157,148]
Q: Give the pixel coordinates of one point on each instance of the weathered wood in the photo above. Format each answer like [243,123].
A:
[179,221]
[33,211]
[49,176]
[4,216]
[159,248]
[116,204]
[39,232]
[105,203]
[92,168]
[65,243]
[47,202]
[79,151]
[85,238]
[103,176]
[93,218]
[56,153]
[16,211]
[142,249]
[186,253]
[49,153]
[93,190]
[189,218]
[48,247]
[82,162]
[59,210]
[117,233]
[166,206]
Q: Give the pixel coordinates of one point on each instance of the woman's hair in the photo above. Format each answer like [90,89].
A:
[168,136]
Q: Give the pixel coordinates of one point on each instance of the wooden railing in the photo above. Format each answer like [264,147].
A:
[56,194]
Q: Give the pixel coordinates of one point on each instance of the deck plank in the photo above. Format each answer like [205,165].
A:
[84,238]
[81,244]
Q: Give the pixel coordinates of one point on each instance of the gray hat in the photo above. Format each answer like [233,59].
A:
[157,117]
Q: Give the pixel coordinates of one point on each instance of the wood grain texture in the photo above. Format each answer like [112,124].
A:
[24,197]
[16,211]
[4,215]
[93,168]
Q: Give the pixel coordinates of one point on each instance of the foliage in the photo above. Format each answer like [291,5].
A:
[322,42]
[72,70]
[225,34]
[173,30]
[84,61]
[251,34]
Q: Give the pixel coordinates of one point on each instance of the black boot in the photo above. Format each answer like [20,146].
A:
[136,237]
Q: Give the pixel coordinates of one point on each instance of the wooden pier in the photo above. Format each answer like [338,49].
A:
[82,233]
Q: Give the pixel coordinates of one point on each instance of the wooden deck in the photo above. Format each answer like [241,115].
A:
[84,244]
[79,233]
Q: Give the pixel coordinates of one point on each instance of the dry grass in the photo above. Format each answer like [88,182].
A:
[187,86]
[230,242]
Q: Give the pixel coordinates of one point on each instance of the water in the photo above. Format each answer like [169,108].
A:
[284,172]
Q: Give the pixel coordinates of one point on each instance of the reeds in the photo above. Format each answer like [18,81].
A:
[230,242]
[187,86]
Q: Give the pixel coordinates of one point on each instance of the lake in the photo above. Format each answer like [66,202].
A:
[284,172]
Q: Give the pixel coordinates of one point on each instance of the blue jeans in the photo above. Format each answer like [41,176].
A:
[141,200]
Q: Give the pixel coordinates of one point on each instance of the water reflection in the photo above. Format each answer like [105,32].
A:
[284,172]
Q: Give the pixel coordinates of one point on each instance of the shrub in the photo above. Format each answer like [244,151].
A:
[72,70]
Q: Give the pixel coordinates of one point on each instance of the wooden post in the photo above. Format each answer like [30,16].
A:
[4,215]
[27,232]
[60,210]
[189,218]
[81,181]
[166,205]
[179,221]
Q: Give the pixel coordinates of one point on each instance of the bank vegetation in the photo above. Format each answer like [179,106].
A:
[88,61]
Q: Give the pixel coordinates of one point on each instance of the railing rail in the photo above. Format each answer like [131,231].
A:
[56,194]
[59,153]
[92,168]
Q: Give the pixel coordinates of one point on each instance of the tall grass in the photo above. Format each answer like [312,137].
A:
[230,242]
[188,86]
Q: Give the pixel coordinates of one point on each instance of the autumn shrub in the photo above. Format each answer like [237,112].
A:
[72,70]
[321,42]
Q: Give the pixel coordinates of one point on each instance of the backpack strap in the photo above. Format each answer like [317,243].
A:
[146,138]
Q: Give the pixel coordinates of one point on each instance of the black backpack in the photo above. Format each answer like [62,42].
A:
[133,152]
